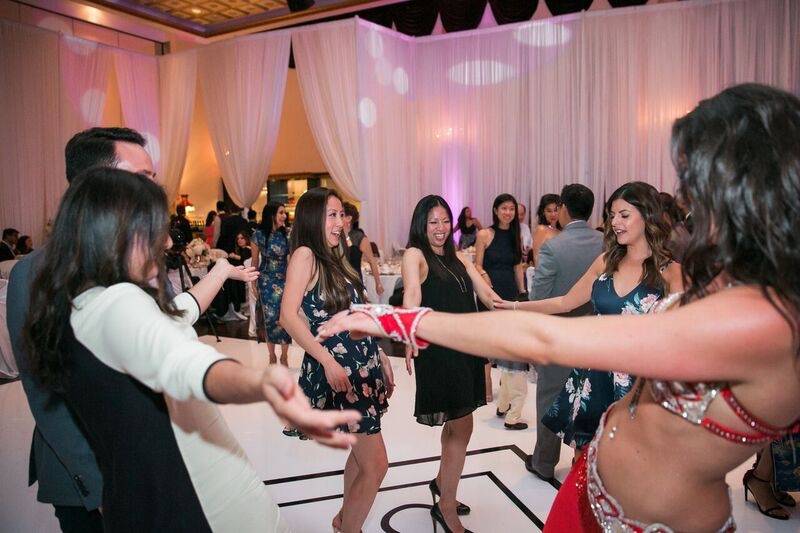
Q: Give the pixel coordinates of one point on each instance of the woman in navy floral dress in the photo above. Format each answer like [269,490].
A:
[628,278]
[271,256]
[339,373]
[575,413]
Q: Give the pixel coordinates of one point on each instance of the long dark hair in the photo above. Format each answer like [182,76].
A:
[462,219]
[546,200]
[105,214]
[418,237]
[737,155]
[644,197]
[268,215]
[514,227]
[210,217]
[329,262]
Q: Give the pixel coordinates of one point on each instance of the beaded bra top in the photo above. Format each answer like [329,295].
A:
[690,401]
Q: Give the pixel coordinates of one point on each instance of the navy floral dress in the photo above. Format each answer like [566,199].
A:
[360,361]
[271,282]
[575,413]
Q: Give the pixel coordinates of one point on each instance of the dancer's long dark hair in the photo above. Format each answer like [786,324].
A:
[514,226]
[461,225]
[268,216]
[329,262]
[418,237]
[546,200]
[738,160]
[104,216]
[644,197]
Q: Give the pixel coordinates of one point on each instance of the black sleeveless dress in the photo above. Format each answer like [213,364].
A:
[450,384]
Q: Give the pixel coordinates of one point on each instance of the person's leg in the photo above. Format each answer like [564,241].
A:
[76,519]
[350,473]
[272,357]
[370,454]
[487,373]
[547,450]
[517,392]
[504,396]
[759,482]
[285,354]
[455,439]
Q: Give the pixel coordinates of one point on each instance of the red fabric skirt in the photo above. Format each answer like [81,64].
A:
[570,511]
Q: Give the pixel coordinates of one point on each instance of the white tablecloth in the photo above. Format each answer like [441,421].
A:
[387,280]
[8,366]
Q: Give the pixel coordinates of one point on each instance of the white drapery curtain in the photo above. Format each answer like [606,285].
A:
[177,75]
[31,149]
[387,117]
[327,72]
[528,108]
[138,83]
[84,69]
[243,82]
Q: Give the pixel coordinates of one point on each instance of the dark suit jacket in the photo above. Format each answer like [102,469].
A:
[231,225]
[6,252]
[61,459]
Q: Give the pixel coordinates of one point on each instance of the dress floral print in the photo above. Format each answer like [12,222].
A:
[360,362]
[575,414]
[273,264]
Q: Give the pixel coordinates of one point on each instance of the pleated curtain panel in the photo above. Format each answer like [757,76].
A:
[242,82]
[522,108]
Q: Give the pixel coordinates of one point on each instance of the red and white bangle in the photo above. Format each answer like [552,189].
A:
[397,323]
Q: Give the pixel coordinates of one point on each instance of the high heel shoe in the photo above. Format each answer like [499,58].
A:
[437,516]
[771,512]
[461,509]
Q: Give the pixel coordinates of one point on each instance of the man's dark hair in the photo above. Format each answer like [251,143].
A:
[180,210]
[251,214]
[220,206]
[579,201]
[95,148]
[9,232]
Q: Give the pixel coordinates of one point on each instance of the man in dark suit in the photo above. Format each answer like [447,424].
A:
[8,244]
[61,459]
[563,260]
[230,226]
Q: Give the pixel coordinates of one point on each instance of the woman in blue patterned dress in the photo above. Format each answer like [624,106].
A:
[271,256]
[339,373]
[629,278]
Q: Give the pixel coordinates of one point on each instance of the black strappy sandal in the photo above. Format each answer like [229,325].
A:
[771,512]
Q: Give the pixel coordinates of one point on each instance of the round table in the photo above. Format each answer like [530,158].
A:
[387,280]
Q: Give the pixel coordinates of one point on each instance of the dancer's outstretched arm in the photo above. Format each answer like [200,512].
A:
[711,339]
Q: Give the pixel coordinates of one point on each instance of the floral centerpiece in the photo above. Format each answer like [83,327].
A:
[200,254]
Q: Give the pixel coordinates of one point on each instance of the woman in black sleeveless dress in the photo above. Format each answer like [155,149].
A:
[450,384]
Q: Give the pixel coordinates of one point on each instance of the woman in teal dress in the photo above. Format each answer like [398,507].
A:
[633,273]
[271,256]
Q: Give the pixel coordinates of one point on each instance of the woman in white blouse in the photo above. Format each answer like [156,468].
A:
[102,331]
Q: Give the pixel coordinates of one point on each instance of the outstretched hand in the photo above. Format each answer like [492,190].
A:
[239,273]
[505,304]
[291,405]
[358,324]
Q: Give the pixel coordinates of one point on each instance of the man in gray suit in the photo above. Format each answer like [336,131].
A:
[562,261]
[61,459]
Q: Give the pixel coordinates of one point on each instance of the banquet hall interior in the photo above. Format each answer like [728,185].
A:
[247,102]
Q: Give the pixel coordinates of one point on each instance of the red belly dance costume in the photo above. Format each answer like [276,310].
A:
[583,504]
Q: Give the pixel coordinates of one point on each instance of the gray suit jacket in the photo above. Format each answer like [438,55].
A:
[563,260]
[61,459]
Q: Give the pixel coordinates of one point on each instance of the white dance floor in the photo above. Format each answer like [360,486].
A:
[305,478]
